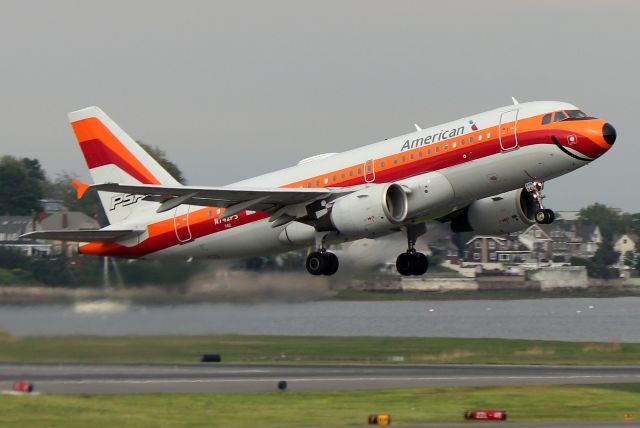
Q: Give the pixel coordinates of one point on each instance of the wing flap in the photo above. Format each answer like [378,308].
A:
[81,235]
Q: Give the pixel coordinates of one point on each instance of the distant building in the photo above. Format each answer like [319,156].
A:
[557,242]
[11,227]
[623,244]
[50,206]
[67,220]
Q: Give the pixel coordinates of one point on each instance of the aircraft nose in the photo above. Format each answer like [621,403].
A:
[609,133]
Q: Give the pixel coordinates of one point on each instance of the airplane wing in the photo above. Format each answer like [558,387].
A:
[80,235]
[235,199]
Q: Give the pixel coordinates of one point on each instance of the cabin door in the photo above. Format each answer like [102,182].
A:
[369,171]
[507,130]
[181,223]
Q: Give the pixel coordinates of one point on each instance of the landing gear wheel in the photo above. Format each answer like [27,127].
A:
[404,264]
[317,263]
[332,264]
[322,263]
[545,216]
[420,264]
[412,263]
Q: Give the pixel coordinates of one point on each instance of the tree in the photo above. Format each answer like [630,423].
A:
[161,157]
[61,189]
[604,257]
[609,222]
[21,185]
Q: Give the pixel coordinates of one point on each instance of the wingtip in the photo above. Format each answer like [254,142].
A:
[81,188]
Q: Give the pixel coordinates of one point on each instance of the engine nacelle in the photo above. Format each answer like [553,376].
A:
[370,211]
[429,193]
[498,215]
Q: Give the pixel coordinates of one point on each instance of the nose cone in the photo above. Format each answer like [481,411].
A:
[609,133]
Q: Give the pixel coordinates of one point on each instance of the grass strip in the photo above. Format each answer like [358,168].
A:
[406,406]
[310,349]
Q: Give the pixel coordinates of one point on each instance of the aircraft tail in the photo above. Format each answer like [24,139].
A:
[112,156]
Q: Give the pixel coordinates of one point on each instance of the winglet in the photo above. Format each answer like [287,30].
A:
[81,188]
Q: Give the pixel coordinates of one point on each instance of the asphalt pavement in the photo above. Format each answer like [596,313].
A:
[68,378]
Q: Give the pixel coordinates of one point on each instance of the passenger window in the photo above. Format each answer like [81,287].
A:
[404,158]
[488,134]
[470,140]
[395,161]
[479,137]
[420,154]
[453,146]
[342,175]
[317,183]
[546,119]
[350,173]
[428,152]
[411,156]
[462,142]
[382,164]
[334,178]
[326,180]
[437,149]
[309,185]
[560,115]
[446,147]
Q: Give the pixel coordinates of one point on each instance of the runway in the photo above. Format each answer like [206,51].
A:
[67,378]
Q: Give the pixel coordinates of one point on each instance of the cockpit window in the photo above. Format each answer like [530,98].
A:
[576,114]
[546,119]
[560,115]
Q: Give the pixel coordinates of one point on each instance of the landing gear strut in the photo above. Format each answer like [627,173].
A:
[543,215]
[413,262]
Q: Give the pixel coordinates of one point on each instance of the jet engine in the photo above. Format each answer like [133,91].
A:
[498,215]
[371,211]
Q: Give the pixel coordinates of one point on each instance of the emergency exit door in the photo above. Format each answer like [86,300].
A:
[507,130]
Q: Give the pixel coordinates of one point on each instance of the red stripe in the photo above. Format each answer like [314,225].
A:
[97,154]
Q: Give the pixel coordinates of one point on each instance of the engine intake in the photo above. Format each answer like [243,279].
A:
[497,215]
[370,211]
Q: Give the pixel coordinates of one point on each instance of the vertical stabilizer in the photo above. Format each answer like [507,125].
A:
[112,156]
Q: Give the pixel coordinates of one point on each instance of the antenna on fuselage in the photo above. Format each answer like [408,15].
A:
[515,102]
[417,127]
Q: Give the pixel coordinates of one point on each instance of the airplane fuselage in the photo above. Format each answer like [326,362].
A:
[449,165]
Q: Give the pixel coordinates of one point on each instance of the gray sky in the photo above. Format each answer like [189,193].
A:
[234,89]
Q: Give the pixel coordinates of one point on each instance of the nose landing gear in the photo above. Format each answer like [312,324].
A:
[543,215]
[413,262]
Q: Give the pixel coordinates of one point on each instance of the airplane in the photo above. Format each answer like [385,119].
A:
[483,173]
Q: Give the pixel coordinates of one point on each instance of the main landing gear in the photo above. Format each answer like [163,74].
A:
[322,263]
[543,215]
[413,262]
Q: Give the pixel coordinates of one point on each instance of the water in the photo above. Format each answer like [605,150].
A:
[597,319]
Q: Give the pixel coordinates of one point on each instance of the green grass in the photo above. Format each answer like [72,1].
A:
[406,406]
[306,349]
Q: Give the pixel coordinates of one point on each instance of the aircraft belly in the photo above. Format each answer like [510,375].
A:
[507,171]
[251,239]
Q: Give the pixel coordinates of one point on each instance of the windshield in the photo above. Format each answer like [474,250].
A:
[576,115]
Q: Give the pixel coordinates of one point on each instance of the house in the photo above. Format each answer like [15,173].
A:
[558,242]
[623,244]
[67,220]
[12,227]
[496,249]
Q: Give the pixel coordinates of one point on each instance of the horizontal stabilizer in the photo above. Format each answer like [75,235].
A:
[81,235]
